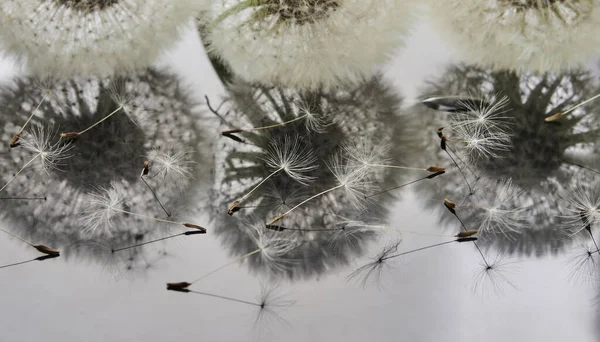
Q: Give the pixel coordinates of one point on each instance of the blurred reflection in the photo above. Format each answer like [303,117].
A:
[542,158]
[364,115]
[159,119]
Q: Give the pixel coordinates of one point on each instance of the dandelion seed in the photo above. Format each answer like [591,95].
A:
[272,250]
[173,166]
[50,155]
[287,156]
[105,203]
[270,302]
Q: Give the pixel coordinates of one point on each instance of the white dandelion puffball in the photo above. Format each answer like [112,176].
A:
[306,44]
[90,37]
[522,35]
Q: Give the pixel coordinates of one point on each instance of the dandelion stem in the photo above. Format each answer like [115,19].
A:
[16,237]
[147,242]
[18,263]
[236,203]
[31,116]
[41,258]
[403,185]
[474,242]
[463,162]
[269,126]
[23,198]
[581,104]
[21,170]
[416,250]
[582,166]
[398,167]
[461,172]
[149,217]
[593,239]
[303,202]
[226,298]
[155,197]
[227,264]
[99,122]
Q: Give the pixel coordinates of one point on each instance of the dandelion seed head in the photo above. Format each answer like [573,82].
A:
[100,37]
[537,36]
[307,44]
[294,159]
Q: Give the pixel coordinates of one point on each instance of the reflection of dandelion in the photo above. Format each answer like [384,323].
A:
[493,276]
[583,263]
[269,303]
[500,217]
[581,207]
[374,270]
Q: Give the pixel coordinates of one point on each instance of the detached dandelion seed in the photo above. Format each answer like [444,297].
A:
[103,205]
[374,268]
[287,156]
[50,155]
[500,217]
[271,249]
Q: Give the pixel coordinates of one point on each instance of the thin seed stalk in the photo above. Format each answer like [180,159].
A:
[303,202]
[21,170]
[227,264]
